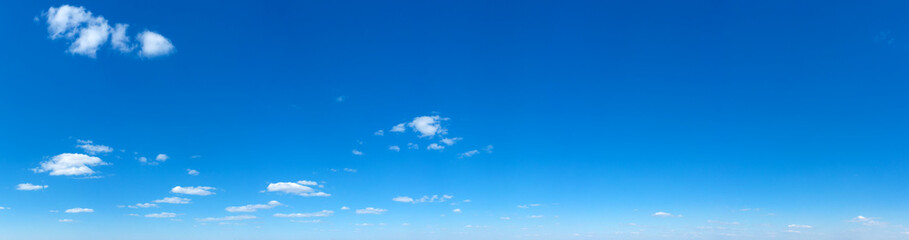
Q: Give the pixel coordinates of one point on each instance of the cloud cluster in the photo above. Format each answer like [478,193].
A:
[87,33]
[29,187]
[424,199]
[253,207]
[200,190]
[70,164]
[298,188]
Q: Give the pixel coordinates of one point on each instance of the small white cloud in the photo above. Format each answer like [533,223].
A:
[295,188]
[424,199]
[143,205]
[664,214]
[119,40]
[173,200]
[142,159]
[153,44]
[427,126]
[161,157]
[867,221]
[350,170]
[371,210]
[345,208]
[90,148]
[192,172]
[535,216]
[435,146]
[200,190]
[469,153]
[70,164]
[530,205]
[79,210]
[413,146]
[307,183]
[505,218]
[488,149]
[397,128]
[161,215]
[394,148]
[65,220]
[323,213]
[450,141]
[227,218]
[356,152]
[456,210]
[253,207]
[403,199]
[799,226]
[29,187]
[379,133]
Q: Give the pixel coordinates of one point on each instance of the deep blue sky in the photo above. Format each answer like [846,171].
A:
[742,120]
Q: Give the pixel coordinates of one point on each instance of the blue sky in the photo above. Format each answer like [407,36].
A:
[515,120]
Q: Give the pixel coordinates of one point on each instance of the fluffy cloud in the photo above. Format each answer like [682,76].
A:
[70,164]
[154,45]
[200,190]
[173,200]
[345,208]
[469,153]
[93,149]
[456,210]
[86,33]
[296,188]
[394,148]
[192,172]
[435,146]
[450,141]
[424,199]
[323,213]
[79,210]
[161,157]
[356,152]
[253,207]
[228,218]
[29,187]
[161,215]
[397,128]
[664,214]
[379,133]
[428,126]
[371,210]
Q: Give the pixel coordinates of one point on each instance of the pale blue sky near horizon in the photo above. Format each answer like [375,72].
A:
[526,120]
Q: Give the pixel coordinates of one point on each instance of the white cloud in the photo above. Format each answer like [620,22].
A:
[488,149]
[427,126]
[530,205]
[664,214]
[397,128]
[173,200]
[307,182]
[371,210]
[799,226]
[867,221]
[253,207]
[413,146]
[456,210]
[86,33]
[435,146]
[3,208]
[119,40]
[450,141]
[394,148]
[469,153]
[29,187]
[227,218]
[379,133]
[153,44]
[200,190]
[65,220]
[143,159]
[93,149]
[356,152]
[535,216]
[424,199]
[70,164]
[161,215]
[323,213]
[345,208]
[505,218]
[161,157]
[79,210]
[350,170]
[295,188]
[143,205]
[192,172]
